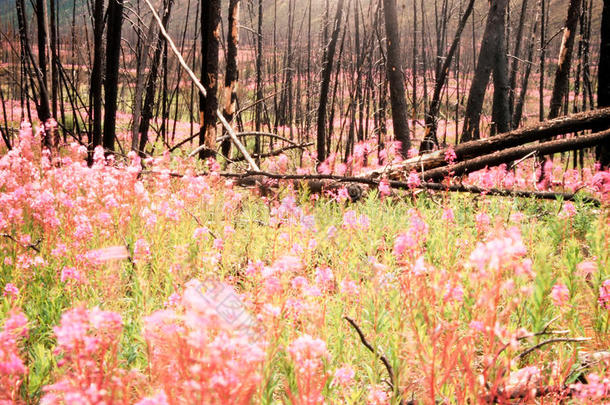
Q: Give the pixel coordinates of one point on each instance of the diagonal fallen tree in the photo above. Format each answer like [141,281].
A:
[589,120]
[508,155]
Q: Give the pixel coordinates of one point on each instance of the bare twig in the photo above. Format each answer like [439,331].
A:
[384,360]
[549,341]
[33,246]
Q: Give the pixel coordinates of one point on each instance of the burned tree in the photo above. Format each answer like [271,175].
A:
[232,73]
[562,73]
[327,67]
[208,104]
[602,151]
[488,54]
[111,83]
[396,77]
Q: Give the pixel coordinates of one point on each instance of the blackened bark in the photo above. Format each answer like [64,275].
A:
[494,30]
[501,109]
[210,35]
[232,73]
[518,111]
[562,73]
[517,54]
[327,67]
[95,91]
[430,140]
[147,110]
[113,50]
[603,90]
[259,77]
[396,77]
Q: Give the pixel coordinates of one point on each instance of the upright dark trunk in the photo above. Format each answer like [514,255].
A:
[518,111]
[232,74]
[111,84]
[562,73]
[44,112]
[210,36]
[501,109]
[53,23]
[259,77]
[95,91]
[430,139]
[603,90]
[517,54]
[494,34]
[396,77]
[327,67]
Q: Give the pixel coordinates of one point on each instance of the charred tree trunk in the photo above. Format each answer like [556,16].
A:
[430,140]
[232,73]
[494,33]
[516,55]
[210,36]
[95,91]
[147,110]
[327,67]
[562,74]
[259,77]
[111,83]
[518,111]
[602,151]
[396,77]
[501,109]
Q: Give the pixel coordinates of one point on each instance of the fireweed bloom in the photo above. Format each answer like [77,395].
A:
[560,294]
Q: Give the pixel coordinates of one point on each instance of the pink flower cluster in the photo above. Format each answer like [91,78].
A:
[308,355]
[12,367]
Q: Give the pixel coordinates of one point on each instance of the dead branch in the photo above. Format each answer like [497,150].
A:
[510,154]
[593,119]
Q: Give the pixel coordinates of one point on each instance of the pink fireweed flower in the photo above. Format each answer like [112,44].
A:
[448,215]
[604,295]
[71,274]
[12,367]
[308,355]
[450,156]
[568,210]
[482,222]
[384,188]
[413,181]
[324,277]
[10,291]
[596,388]
[141,251]
[586,268]
[344,376]
[560,294]
[377,396]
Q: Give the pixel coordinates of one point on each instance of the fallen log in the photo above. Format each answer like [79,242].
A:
[588,120]
[510,154]
[315,182]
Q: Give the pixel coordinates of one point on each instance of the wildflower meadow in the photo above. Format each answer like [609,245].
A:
[163,281]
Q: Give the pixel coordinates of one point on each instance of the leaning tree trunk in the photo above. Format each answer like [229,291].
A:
[602,151]
[210,36]
[111,83]
[562,73]
[396,77]
[494,32]
[430,140]
[147,110]
[95,92]
[232,73]
[327,67]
